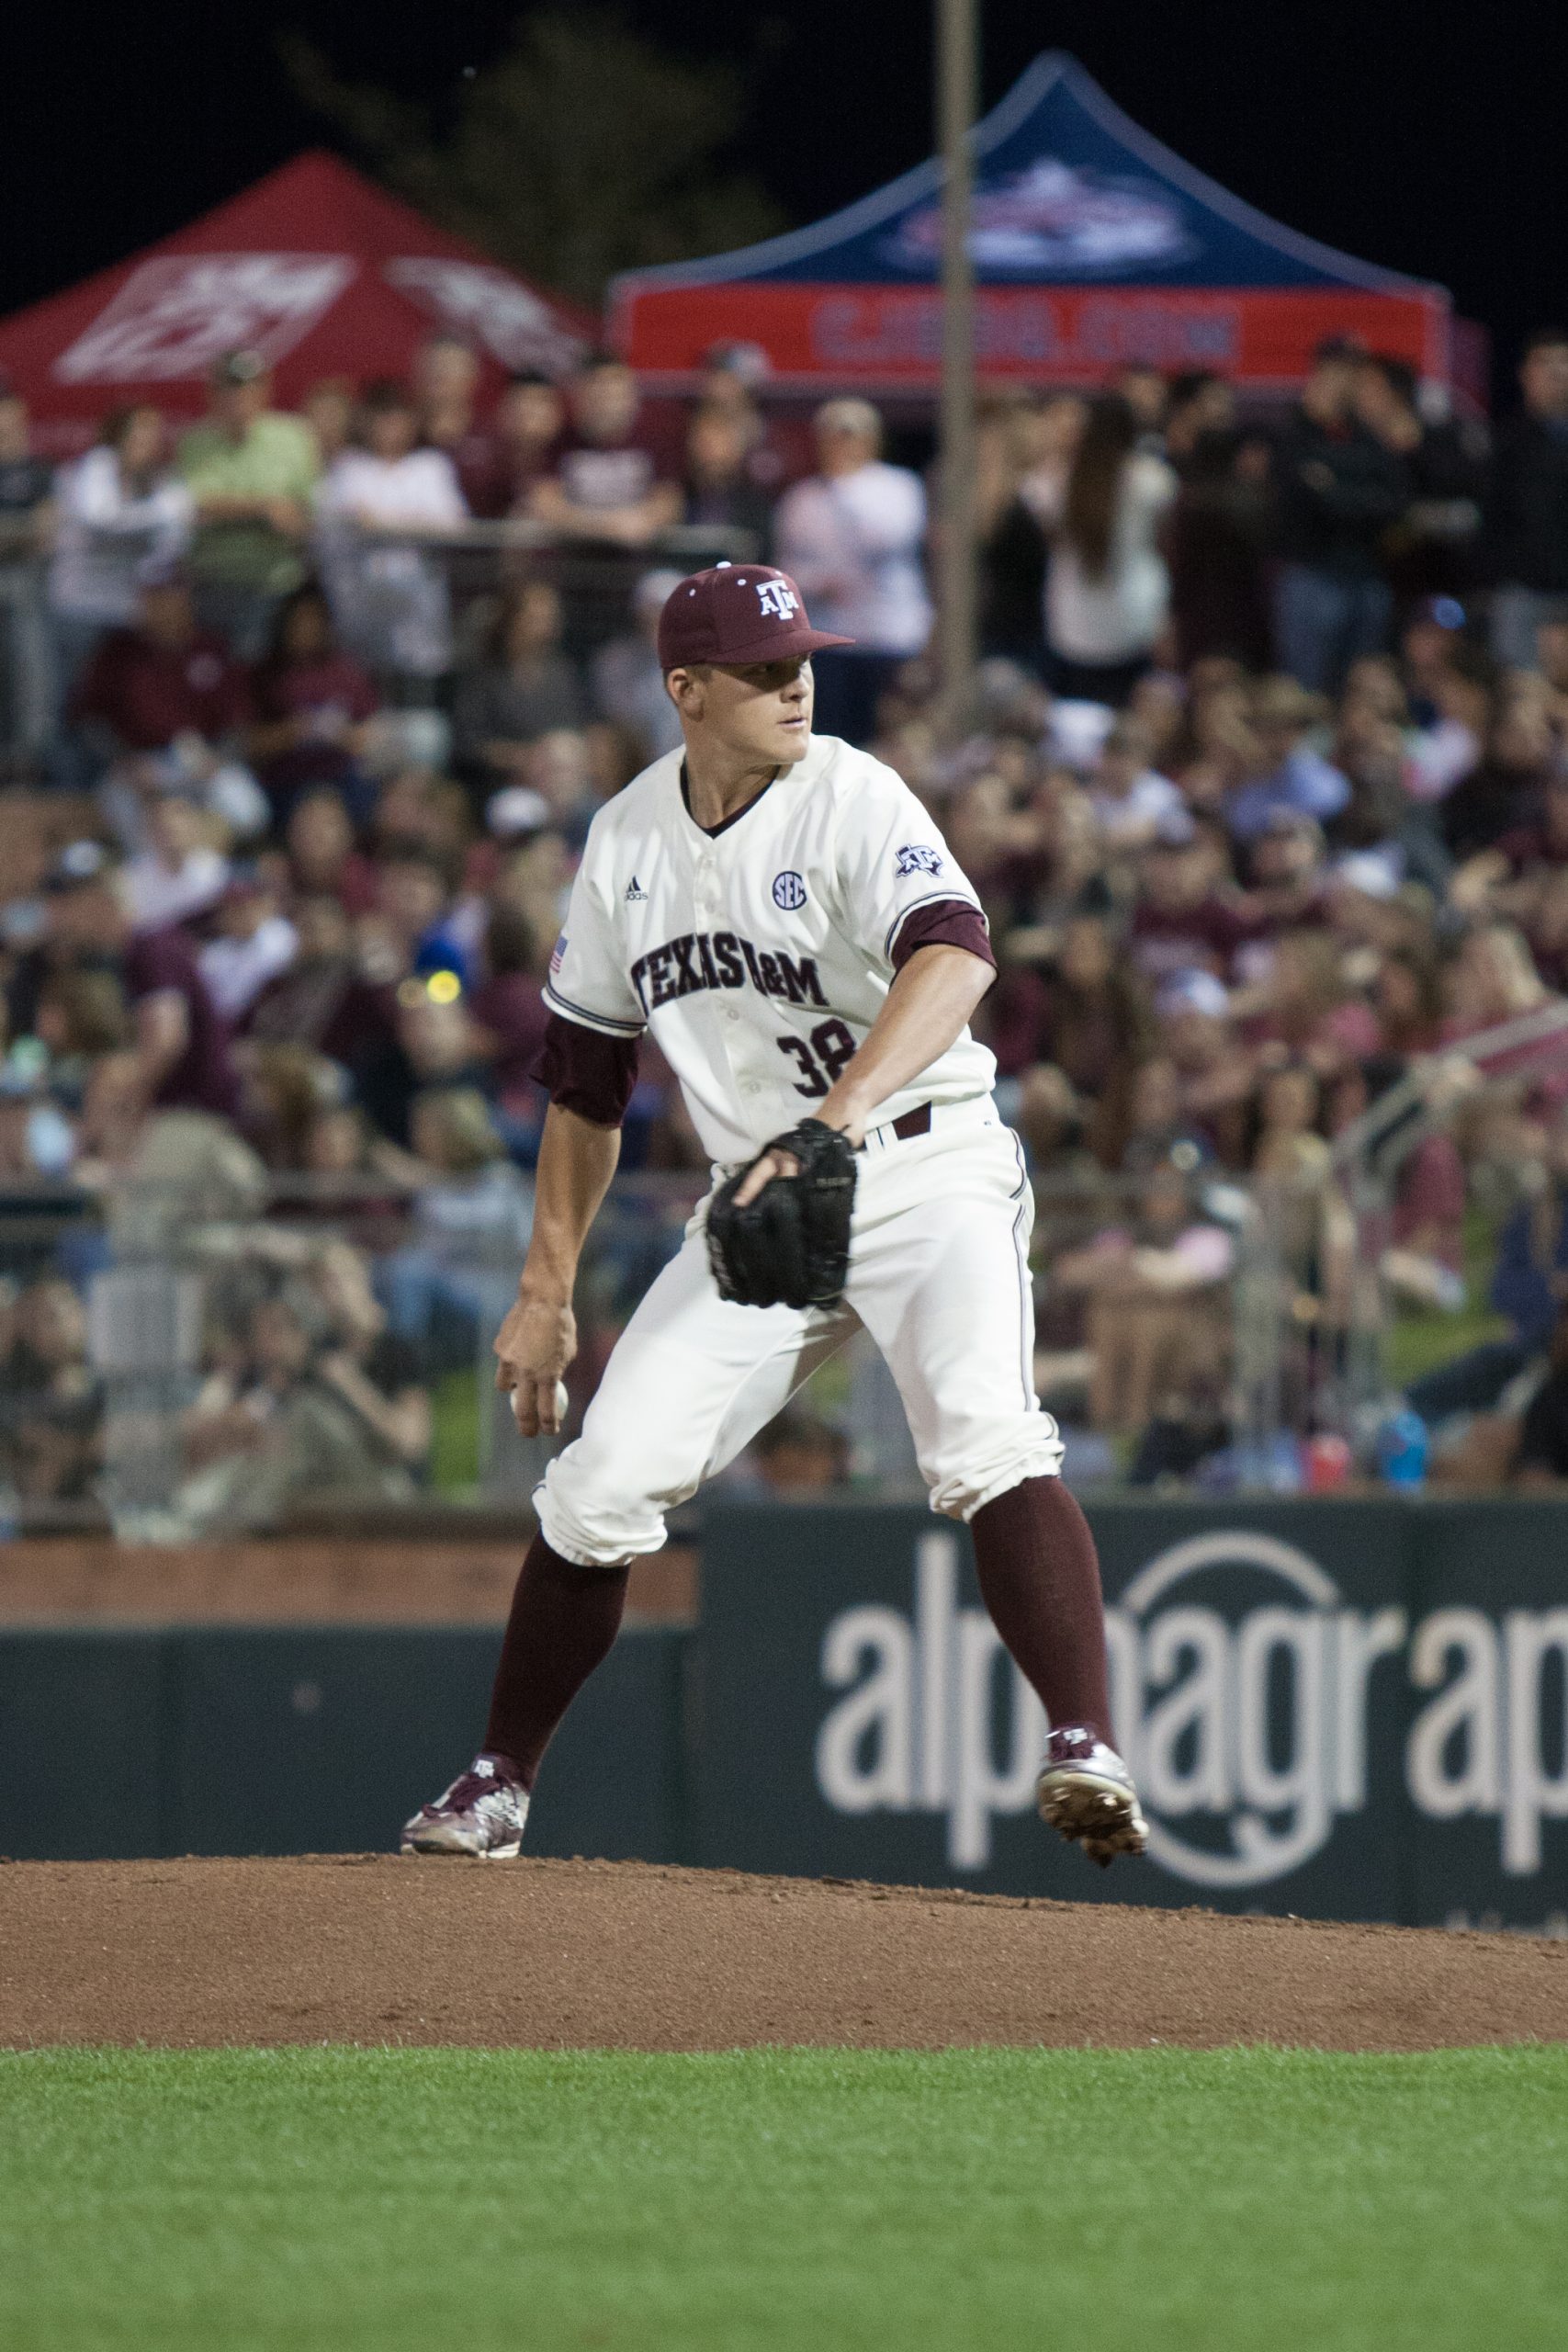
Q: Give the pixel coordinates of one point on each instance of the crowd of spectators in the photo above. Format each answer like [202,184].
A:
[1264,787]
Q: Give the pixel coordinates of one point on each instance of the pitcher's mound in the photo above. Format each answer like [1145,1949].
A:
[576,1955]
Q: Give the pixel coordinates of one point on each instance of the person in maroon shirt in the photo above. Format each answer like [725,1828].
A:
[1180,923]
[182,1047]
[610,482]
[319,840]
[311,702]
[508,1008]
[162,677]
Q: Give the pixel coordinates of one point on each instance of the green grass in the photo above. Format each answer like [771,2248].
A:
[1117,2202]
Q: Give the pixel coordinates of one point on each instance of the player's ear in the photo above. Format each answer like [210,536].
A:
[685,689]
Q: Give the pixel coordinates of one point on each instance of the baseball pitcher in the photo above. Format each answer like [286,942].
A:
[780,913]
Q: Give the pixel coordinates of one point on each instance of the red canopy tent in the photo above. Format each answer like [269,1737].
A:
[315,267]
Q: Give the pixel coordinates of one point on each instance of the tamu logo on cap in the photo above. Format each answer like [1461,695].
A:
[777,599]
[737,612]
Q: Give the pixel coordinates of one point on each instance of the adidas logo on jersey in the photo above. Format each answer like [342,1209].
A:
[635,894]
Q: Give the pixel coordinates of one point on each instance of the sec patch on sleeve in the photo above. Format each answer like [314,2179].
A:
[919,857]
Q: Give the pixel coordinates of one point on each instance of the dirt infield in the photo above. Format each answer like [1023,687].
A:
[572,1955]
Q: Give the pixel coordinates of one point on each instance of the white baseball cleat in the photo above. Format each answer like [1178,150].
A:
[1085,1791]
[481,1815]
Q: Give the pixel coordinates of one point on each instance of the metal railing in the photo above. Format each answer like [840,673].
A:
[177,1360]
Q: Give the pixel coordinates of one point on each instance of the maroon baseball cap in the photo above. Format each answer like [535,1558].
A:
[736,613]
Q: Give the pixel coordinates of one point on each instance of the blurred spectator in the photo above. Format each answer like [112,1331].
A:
[608,483]
[164,685]
[181,873]
[446,378]
[119,508]
[1129,800]
[391,598]
[1181,923]
[415,910]
[526,687]
[1507,788]
[1295,780]
[799,1454]
[1341,490]
[51,1407]
[1527,505]
[253,473]
[322,998]
[852,537]
[322,860]
[293,1420]
[1529,1285]
[311,704]
[1430,549]
[731,376]
[253,942]
[509,1010]
[26,483]
[1541,1459]
[1219,533]
[473,1215]
[162,676]
[1155,1322]
[529,419]
[718,492]
[27,515]
[1146,393]
[1108,590]
[329,409]
[181,1053]
[373,1373]
[1447,742]
[629,682]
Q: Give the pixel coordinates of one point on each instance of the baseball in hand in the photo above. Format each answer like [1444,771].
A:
[561,1403]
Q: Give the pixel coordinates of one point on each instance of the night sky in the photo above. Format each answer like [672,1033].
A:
[1433,138]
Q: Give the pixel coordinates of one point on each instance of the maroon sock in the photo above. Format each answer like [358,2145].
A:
[1040,1578]
[564,1620]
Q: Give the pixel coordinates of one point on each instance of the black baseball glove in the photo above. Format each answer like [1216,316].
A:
[790,1247]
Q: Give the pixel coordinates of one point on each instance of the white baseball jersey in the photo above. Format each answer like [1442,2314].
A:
[759,956]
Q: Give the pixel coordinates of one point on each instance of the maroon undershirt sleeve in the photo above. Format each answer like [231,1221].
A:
[585,1072]
[946,922]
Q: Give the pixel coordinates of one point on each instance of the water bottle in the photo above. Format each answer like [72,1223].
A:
[1403,1445]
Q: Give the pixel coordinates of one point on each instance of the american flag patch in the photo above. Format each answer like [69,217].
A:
[558,953]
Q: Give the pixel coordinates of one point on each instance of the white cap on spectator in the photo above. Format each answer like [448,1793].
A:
[1077,731]
[1194,990]
[1372,872]
[517,808]
[654,590]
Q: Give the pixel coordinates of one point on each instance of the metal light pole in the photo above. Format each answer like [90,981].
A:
[957,84]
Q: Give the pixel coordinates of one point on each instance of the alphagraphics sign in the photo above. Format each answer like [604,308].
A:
[1246,1689]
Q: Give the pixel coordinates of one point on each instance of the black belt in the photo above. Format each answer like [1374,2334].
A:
[917,1121]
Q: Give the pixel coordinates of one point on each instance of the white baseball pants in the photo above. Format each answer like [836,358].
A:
[939,1276]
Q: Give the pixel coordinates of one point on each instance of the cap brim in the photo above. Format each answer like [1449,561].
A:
[775,647]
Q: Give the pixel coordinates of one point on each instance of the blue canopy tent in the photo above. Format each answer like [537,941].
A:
[1094,246]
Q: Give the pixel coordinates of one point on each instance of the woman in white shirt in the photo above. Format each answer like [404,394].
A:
[390,599]
[116,508]
[1107,592]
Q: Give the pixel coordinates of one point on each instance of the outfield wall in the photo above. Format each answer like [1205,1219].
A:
[1351,1709]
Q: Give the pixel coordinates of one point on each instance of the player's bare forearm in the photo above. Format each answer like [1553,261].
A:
[577,1160]
[927,1009]
[538,1339]
[924,1012]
